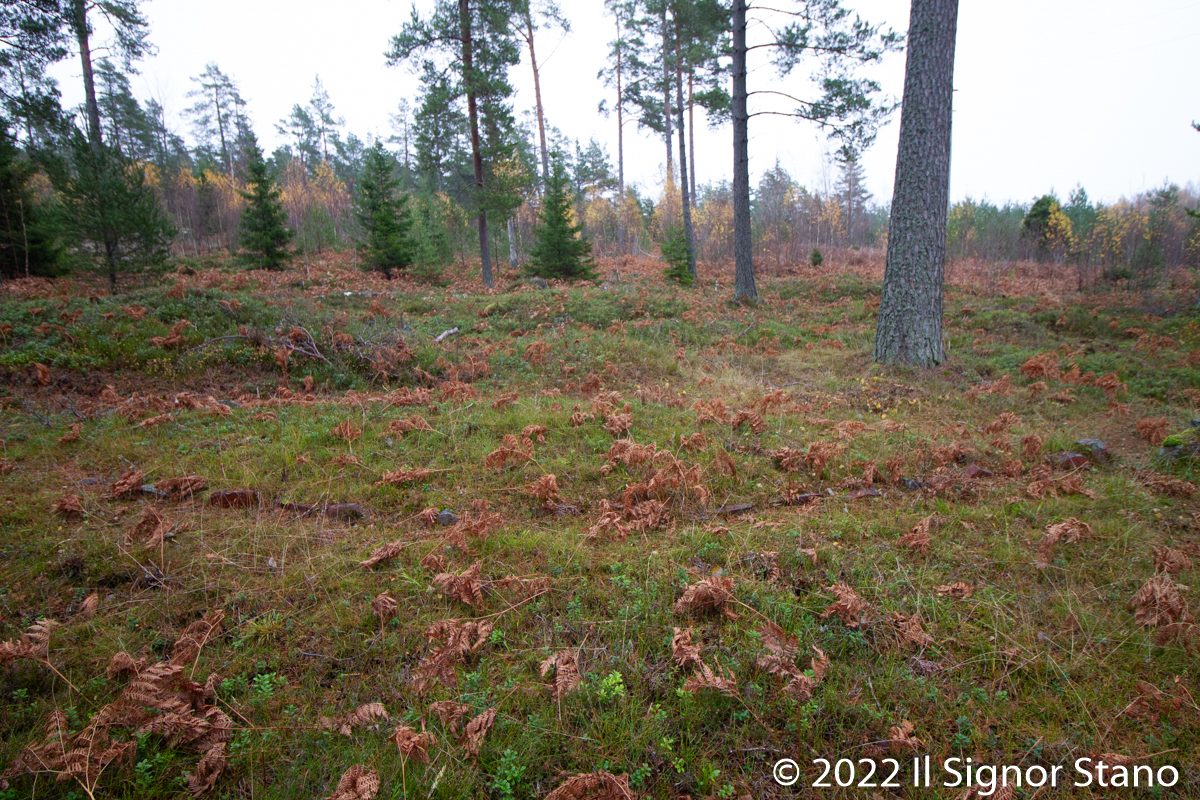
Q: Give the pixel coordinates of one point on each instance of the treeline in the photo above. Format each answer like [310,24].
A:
[467,179]
[113,186]
[1133,239]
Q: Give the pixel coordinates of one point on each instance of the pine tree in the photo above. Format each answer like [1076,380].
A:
[909,326]
[560,250]
[263,228]
[28,245]
[112,209]
[678,255]
[384,215]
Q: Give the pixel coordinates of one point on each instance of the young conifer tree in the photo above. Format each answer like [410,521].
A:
[560,250]
[110,206]
[263,230]
[384,214]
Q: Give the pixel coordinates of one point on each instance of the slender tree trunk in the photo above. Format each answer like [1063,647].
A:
[464,16]
[909,329]
[537,95]
[692,136]
[512,244]
[743,252]
[683,170]
[221,130]
[667,96]
[82,35]
[620,147]
[92,109]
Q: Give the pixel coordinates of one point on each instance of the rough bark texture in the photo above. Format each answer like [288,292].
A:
[464,16]
[537,94]
[82,36]
[692,136]
[667,95]
[743,252]
[683,165]
[620,147]
[909,329]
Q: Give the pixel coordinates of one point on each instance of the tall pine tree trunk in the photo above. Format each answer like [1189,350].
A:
[909,329]
[92,110]
[620,147]
[537,94]
[692,136]
[82,35]
[683,170]
[743,253]
[464,17]
[221,130]
[667,95]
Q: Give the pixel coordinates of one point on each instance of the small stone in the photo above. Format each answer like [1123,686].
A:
[447,518]
[539,283]
[1069,460]
[345,511]
[1096,449]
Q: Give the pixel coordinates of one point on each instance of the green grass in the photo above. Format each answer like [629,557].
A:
[1037,666]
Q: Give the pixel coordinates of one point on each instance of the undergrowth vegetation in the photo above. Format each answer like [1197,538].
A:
[274,537]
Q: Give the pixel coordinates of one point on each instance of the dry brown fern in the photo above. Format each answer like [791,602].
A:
[958,590]
[594,786]
[366,714]
[709,594]
[1159,603]
[357,783]
[1170,560]
[128,483]
[412,744]
[849,607]
[195,636]
[150,530]
[347,431]
[567,677]
[465,587]
[510,451]
[476,730]
[450,714]
[34,644]
[1069,531]
[385,607]
[918,537]
[722,680]
[684,651]
[399,477]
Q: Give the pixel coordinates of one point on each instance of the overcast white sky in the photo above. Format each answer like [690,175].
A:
[1049,93]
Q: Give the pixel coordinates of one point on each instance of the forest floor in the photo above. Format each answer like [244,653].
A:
[294,535]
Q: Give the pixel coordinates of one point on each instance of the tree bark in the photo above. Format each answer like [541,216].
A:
[692,136]
[667,95]
[909,328]
[464,17]
[683,170]
[620,147]
[537,94]
[82,36]
[743,253]
[221,130]
[512,244]
[92,110]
